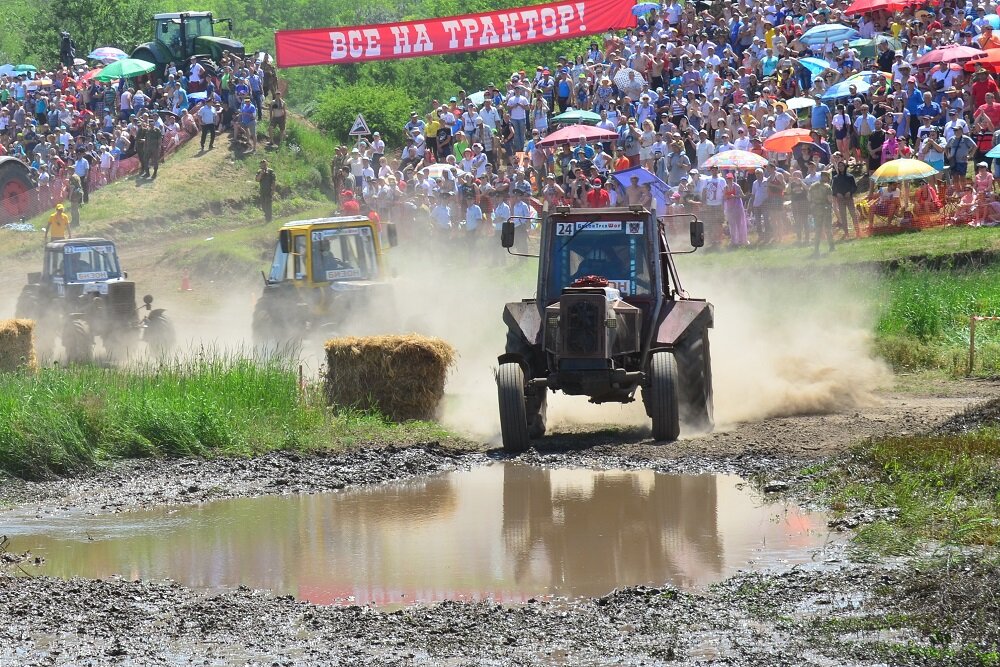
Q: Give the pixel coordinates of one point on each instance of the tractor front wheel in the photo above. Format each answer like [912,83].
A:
[661,401]
[513,416]
[159,334]
[78,342]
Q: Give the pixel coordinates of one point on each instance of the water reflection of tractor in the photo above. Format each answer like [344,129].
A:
[82,295]
[178,36]
[324,274]
[610,317]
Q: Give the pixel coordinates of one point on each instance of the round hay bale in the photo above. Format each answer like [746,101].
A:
[17,346]
[402,377]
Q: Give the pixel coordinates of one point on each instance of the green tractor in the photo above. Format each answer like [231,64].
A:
[178,36]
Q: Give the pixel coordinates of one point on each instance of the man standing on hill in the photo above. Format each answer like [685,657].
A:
[154,141]
[278,113]
[266,179]
[140,147]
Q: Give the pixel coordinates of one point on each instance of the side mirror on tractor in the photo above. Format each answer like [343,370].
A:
[285,240]
[697,233]
[507,234]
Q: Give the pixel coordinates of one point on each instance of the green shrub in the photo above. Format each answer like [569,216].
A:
[385,108]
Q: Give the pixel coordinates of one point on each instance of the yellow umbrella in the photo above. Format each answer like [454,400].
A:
[903,169]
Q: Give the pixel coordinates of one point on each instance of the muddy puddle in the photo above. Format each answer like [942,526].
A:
[504,532]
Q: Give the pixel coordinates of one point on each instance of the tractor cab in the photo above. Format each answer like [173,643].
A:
[179,31]
[90,262]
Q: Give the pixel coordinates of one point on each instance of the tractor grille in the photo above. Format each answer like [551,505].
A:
[121,299]
[582,325]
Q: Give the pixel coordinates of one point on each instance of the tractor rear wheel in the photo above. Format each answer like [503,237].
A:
[159,334]
[77,341]
[27,304]
[694,364]
[513,417]
[662,400]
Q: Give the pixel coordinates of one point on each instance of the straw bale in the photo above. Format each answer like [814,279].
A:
[402,377]
[17,345]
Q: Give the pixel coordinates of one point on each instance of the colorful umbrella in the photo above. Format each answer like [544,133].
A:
[644,8]
[571,134]
[107,54]
[126,68]
[947,54]
[868,6]
[815,65]
[736,160]
[843,89]
[786,140]
[578,116]
[990,60]
[825,34]
[797,103]
[866,47]
[903,169]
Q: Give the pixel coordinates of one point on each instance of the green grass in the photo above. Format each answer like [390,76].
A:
[944,489]
[63,420]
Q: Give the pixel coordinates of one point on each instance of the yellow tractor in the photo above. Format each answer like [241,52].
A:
[325,275]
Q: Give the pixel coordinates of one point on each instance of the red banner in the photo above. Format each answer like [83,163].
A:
[455,34]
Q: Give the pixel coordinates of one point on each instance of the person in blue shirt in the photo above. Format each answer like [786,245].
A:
[914,100]
[821,117]
[930,108]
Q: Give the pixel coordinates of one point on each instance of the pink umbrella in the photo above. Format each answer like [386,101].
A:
[947,54]
[91,74]
[573,133]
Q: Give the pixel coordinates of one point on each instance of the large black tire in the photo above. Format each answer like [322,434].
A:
[27,304]
[159,334]
[513,417]
[662,402]
[694,365]
[78,342]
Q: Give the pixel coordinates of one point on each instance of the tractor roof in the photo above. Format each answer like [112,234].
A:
[89,240]
[177,15]
[327,222]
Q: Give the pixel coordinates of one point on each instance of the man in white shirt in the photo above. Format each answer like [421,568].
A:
[713,196]
[954,121]
[704,149]
[489,115]
[517,106]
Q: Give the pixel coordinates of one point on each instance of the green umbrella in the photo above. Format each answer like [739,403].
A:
[25,68]
[867,47]
[577,116]
[125,68]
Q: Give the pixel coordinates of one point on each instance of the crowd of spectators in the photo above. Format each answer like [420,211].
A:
[695,80]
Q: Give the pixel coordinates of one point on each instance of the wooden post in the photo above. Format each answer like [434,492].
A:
[302,383]
[972,343]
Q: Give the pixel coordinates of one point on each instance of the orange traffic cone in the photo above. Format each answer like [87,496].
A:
[185,282]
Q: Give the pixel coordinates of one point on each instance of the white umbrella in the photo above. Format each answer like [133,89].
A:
[478,98]
[107,54]
[437,170]
[796,103]
[622,77]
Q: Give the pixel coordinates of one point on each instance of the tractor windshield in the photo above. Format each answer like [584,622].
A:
[347,253]
[90,263]
[616,250]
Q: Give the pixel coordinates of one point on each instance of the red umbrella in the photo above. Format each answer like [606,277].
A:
[868,6]
[786,140]
[947,54]
[573,133]
[91,74]
[990,60]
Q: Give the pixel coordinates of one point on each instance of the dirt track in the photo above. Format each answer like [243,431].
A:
[750,619]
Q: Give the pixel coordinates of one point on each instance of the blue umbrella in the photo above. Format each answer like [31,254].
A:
[994,152]
[6,70]
[993,20]
[197,97]
[842,89]
[815,65]
[644,8]
[825,34]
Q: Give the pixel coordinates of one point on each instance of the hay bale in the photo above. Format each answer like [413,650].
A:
[400,376]
[17,345]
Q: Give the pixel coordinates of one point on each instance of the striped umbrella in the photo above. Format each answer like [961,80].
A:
[903,169]
[736,160]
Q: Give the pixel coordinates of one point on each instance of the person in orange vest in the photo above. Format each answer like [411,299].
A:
[58,226]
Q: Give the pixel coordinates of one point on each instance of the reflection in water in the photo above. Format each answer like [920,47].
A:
[506,532]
